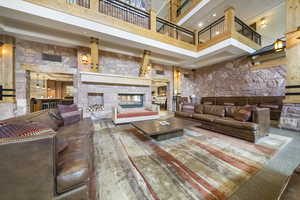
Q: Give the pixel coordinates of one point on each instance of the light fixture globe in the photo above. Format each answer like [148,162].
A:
[278,45]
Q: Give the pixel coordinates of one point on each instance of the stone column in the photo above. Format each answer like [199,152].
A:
[290,117]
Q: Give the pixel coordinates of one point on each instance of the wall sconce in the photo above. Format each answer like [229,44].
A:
[278,45]
[84,59]
[263,22]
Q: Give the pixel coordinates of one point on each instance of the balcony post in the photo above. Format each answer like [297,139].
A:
[94,5]
[153,20]
[229,20]
[196,39]
[173,10]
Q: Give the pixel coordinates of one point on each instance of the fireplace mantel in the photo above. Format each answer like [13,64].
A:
[111,79]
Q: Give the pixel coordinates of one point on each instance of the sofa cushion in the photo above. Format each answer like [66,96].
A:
[199,108]
[141,113]
[69,113]
[183,114]
[188,107]
[237,124]
[73,173]
[205,117]
[214,110]
[230,110]
[243,114]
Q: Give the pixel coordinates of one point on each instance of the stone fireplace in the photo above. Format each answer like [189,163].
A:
[106,91]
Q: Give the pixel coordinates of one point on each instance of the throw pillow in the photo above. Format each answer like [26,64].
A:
[23,129]
[69,113]
[188,107]
[120,109]
[243,114]
[56,118]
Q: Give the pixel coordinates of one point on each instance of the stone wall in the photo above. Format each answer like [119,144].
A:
[234,78]
[29,52]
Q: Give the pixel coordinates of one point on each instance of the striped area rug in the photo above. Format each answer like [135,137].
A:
[199,165]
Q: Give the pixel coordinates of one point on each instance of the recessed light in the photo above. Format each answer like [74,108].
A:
[200,24]
[214,15]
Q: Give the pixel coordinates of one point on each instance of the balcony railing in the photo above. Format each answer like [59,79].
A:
[167,28]
[247,31]
[183,7]
[125,12]
[83,3]
[212,31]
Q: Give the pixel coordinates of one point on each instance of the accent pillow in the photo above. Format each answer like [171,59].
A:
[120,109]
[69,113]
[243,114]
[188,107]
[56,117]
[199,108]
[23,129]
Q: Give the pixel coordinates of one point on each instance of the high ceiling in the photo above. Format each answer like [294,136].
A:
[246,10]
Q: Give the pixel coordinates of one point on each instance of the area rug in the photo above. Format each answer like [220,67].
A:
[199,165]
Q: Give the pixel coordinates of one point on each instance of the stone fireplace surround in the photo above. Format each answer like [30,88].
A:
[111,86]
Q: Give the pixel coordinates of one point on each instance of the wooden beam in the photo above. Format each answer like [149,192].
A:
[145,63]
[95,55]
[270,64]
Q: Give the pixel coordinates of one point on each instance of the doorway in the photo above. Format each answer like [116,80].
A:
[47,90]
[160,93]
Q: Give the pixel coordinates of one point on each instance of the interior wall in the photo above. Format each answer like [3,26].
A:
[275,26]
[235,78]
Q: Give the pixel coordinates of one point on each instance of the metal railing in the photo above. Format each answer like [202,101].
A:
[83,3]
[183,7]
[211,31]
[167,28]
[125,12]
[247,31]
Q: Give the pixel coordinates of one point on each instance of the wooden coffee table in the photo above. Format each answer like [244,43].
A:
[154,129]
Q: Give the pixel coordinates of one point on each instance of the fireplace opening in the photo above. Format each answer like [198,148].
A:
[95,102]
[131,100]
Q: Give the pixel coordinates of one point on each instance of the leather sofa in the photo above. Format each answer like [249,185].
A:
[274,103]
[291,189]
[220,119]
[32,169]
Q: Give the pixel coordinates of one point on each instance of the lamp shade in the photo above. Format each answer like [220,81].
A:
[278,45]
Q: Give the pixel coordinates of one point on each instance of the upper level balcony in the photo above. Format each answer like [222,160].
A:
[148,29]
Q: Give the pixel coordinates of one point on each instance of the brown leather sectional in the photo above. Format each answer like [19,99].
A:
[32,169]
[220,119]
[274,103]
[291,189]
